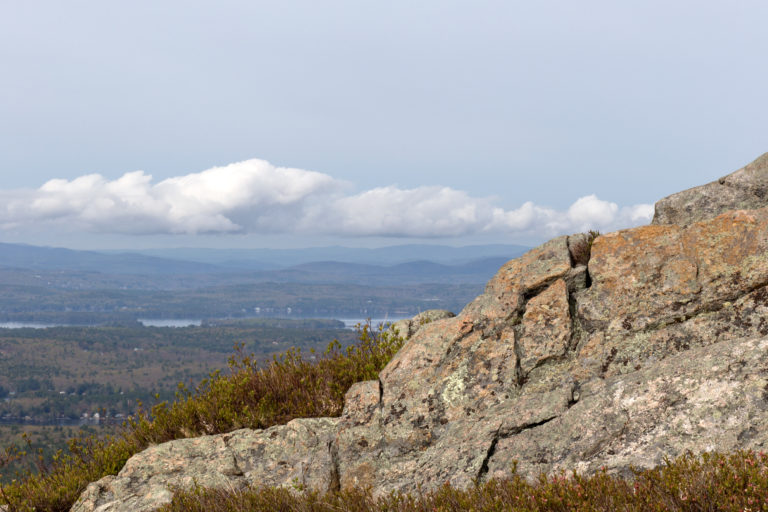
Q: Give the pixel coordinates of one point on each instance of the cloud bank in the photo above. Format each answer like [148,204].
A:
[255,196]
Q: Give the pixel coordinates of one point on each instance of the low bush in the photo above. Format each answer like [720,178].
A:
[252,395]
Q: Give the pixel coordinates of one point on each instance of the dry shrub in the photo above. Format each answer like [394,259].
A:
[252,395]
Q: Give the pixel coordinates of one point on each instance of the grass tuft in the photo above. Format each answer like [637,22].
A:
[581,249]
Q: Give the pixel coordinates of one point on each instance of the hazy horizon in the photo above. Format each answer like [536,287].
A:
[179,252]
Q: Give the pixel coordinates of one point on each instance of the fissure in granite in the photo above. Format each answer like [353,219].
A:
[335,479]
[488,454]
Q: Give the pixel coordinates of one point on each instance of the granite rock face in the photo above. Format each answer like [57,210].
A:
[657,346]
[296,454]
[641,345]
[710,398]
[745,189]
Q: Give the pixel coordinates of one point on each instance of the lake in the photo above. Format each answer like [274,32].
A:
[27,325]
[170,322]
[63,422]
[349,323]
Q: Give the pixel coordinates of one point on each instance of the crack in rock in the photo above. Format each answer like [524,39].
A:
[502,433]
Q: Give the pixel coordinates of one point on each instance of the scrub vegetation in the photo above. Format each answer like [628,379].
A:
[64,375]
[252,394]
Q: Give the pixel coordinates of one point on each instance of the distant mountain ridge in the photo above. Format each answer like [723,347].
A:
[413,272]
[391,255]
[56,258]
[63,286]
[414,263]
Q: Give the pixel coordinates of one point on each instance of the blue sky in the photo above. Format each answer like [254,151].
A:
[297,123]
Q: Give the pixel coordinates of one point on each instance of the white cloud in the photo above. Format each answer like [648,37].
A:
[235,198]
[588,212]
[391,211]
[256,197]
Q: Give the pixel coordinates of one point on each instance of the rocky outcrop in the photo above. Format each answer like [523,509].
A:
[561,366]
[296,454]
[649,342]
[408,327]
[744,189]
